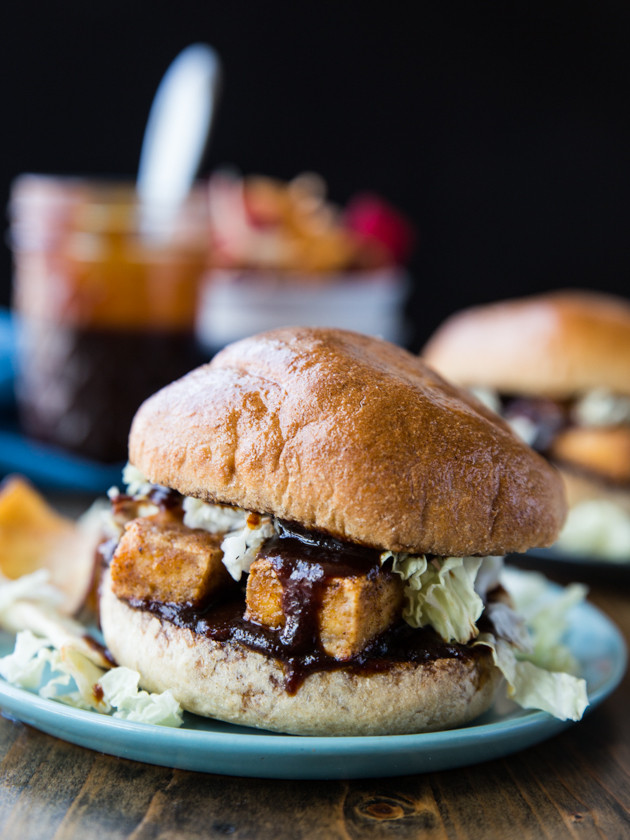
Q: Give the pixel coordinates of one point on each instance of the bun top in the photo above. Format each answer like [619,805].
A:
[559,344]
[352,436]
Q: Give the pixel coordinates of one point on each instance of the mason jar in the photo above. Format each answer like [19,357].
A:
[105,300]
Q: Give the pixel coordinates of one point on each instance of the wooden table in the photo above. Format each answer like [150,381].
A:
[575,785]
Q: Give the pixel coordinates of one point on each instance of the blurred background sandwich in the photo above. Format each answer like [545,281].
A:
[557,368]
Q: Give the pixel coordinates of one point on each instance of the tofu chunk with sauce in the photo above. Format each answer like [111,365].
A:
[158,558]
[353,609]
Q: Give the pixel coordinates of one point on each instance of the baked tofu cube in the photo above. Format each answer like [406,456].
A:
[353,609]
[263,597]
[356,609]
[158,558]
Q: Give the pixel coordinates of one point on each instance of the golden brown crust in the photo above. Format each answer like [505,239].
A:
[159,558]
[229,682]
[353,436]
[558,344]
[603,451]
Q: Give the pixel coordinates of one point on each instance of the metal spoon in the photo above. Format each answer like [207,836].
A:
[176,135]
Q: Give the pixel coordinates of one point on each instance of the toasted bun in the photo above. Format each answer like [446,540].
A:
[352,436]
[602,450]
[557,345]
[229,682]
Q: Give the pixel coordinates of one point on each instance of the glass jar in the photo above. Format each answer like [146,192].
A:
[237,303]
[105,299]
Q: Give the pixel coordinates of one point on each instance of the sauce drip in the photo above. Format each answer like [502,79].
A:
[304,562]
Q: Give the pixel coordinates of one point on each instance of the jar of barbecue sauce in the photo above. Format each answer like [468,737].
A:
[105,299]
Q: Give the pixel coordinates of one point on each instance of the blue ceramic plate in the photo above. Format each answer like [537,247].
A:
[212,747]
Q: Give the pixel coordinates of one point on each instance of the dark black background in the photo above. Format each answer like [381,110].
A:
[501,129]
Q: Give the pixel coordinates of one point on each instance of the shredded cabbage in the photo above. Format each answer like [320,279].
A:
[35,587]
[489,397]
[545,614]
[135,481]
[597,528]
[532,687]
[120,691]
[523,428]
[526,646]
[440,594]
[216,519]
[244,533]
[446,594]
[509,625]
[73,679]
[25,666]
[600,407]
[489,575]
[541,674]
[67,676]
[241,547]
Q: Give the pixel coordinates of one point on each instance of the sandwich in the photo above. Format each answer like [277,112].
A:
[310,542]
[557,367]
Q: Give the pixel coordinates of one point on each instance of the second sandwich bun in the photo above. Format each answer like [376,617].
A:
[557,367]
[557,344]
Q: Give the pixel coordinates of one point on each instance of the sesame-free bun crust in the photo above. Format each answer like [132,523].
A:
[602,451]
[352,436]
[558,345]
[231,683]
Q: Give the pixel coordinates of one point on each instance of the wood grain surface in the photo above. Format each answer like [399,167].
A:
[576,785]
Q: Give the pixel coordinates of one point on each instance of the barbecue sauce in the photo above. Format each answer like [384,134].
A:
[303,561]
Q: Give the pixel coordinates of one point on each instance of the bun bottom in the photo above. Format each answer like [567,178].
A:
[229,682]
